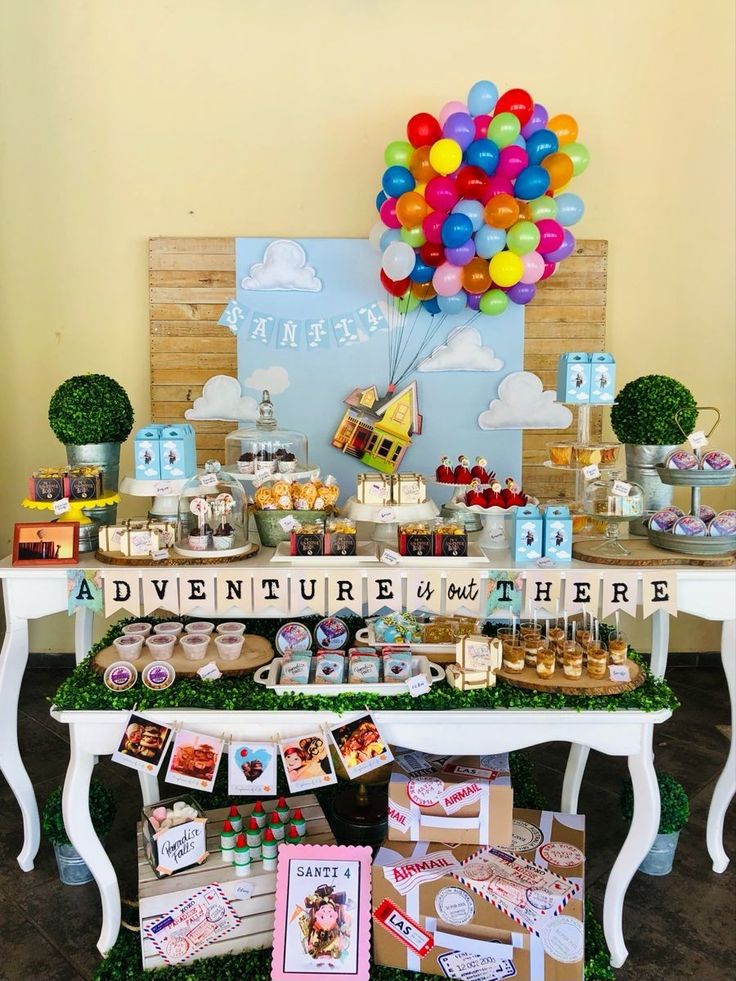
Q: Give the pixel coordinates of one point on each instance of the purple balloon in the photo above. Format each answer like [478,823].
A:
[537,120]
[522,292]
[460,128]
[566,249]
[462,255]
[473,300]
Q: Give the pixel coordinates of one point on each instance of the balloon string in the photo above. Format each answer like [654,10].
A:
[405,344]
[420,353]
[399,332]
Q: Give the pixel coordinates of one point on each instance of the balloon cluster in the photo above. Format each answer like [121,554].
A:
[472,213]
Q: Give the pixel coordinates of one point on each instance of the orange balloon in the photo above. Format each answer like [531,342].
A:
[412,209]
[558,166]
[476,277]
[564,127]
[423,291]
[422,170]
[524,212]
[502,211]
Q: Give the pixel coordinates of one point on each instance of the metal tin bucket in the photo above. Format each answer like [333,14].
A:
[72,869]
[641,468]
[661,855]
[106,456]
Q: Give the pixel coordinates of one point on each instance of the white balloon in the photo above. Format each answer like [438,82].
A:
[374,235]
[398,260]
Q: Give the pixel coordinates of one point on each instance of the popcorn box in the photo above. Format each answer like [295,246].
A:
[84,483]
[522,919]
[147,452]
[558,534]
[173,850]
[48,485]
[178,452]
[456,799]
[602,378]
[308,541]
[573,377]
[527,537]
[416,540]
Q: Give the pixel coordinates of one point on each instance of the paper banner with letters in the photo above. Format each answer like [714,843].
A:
[307,593]
[234,590]
[424,592]
[659,592]
[384,592]
[83,590]
[345,592]
[503,592]
[462,593]
[271,592]
[543,591]
[160,592]
[122,591]
[582,590]
[196,589]
[619,592]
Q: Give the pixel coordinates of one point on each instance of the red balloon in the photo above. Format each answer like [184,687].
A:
[432,227]
[551,235]
[518,102]
[549,268]
[471,183]
[481,126]
[395,287]
[496,185]
[432,254]
[423,129]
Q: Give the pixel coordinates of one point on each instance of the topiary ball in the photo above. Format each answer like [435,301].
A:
[90,409]
[645,411]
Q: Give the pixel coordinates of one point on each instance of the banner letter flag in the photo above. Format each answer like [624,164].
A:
[582,591]
[307,593]
[424,592]
[462,592]
[345,593]
[122,591]
[84,590]
[160,591]
[196,589]
[271,591]
[234,590]
[659,592]
[384,592]
[619,591]
[543,591]
[503,592]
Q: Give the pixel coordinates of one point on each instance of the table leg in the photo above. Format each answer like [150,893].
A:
[149,788]
[83,620]
[75,808]
[660,642]
[13,660]
[573,778]
[639,840]
[726,786]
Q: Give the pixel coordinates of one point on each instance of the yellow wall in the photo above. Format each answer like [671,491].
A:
[125,119]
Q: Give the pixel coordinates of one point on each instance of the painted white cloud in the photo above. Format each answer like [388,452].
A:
[522,403]
[275,379]
[284,267]
[222,398]
[462,351]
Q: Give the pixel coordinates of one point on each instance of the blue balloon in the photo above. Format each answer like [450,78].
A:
[473,209]
[570,208]
[452,304]
[397,180]
[531,183]
[431,306]
[421,273]
[541,144]
[380,198]
[488,241]
[389,236]
[456,230]
[484,154]
[482,97]
[520,141]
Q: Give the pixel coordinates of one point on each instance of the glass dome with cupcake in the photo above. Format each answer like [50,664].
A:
[264,450]
[212,515]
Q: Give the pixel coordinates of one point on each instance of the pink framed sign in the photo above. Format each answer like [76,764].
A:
[323,911]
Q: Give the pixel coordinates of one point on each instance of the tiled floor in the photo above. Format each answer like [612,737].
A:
[677,927]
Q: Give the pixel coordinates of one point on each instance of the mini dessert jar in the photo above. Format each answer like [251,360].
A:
[229,646]
[513,658]
[194,646]
[129,646]
[161,646]
[546,663]
[572,663]
[169,627]
[618,648]
[137,628]
[597,661]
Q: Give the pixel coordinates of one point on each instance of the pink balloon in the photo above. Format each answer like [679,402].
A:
[511,161]
[482,123]
[533,267]
[449,108]
[496,185]
[447,279]
[388,213]
[551,235]
[549,270]
[432,227]
[441,194]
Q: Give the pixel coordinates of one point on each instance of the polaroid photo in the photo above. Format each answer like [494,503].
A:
[251,769]
[307,762]
[361,746]
[142,744]
[194,760]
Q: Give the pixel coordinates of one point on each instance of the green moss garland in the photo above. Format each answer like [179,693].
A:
[85,690]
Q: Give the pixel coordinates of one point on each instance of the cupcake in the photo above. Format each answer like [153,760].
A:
[199,539]
[246,463]
[223,537]
[287,464]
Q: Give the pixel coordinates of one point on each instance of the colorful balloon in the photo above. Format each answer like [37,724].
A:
[493,303]
[476,278]
[474,210]
[411,209]
[579,155]
[504,129]
[511,161]
[449,109]
[482,97]
[432,306]
[389,236]
[421,273]
[523,237]
[532,182]
[432,226]
[542,207]
[502,211]
[460,128]
[570,208]
[481,126]
[380,198]
[506,269]
[541,144]
[423,129]
[518,102]
[432,254]
[471,183]
[423,291]
[453,304]
[394,287]
[398,260]
[566,249]
[456,230]
[565,127]
[374,235]
[533,265]
[483,154]
[407,302]
[497,185]
[537,121]
[462,255]
[387,212]
[397,180]
[413,236]
[419,165]
[551,235]
[489,241]
[441,193]
[398,154]
[559,166]
[445,156]
[549,269]
[447,279]
[522,293]
[474,301]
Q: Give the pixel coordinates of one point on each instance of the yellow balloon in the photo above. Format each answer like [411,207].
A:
[445,156]
[506,269]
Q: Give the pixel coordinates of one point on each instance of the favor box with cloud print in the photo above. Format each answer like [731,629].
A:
[558,534]
[602,378]
[573,378]
[457,799]
[485,913]
[528,534]
[165,452]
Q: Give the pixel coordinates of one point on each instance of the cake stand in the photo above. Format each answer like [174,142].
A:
[388,517]
[88,529]
[165,494]
[309,473]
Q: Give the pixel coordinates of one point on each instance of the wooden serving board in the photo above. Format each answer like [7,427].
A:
[644,554]
[560,685]
[256,652]
[117,558]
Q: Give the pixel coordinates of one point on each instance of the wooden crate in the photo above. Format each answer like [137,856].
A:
[192,279]
[158,896]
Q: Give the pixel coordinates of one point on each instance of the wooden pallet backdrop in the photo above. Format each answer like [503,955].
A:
[192,279]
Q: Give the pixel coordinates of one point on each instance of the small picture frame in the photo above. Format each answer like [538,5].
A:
[46,543]
[360,745]
[142,745]
[307,762]
[323,911]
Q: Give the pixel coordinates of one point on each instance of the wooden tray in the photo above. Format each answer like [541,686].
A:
[644,554]
[559,684]
[256,652]
[117,558]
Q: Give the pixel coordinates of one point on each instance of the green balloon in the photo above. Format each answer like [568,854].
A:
[407,302]
[398,153]
[544,207]
[523,237]
[504,129]
[493,302]
[413,236]
[578,154]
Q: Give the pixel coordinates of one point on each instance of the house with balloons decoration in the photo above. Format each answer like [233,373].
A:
[378,431]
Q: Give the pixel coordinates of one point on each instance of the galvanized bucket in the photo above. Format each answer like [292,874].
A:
[106,456]
[661,855]
[72,869]
[641,468]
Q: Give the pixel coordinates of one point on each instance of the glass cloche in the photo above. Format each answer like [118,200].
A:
[262,449]
[611,499]
[212,509]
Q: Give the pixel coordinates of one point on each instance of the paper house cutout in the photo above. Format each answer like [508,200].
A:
[378,431]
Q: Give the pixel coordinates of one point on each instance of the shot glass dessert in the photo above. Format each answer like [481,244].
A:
[169,627]
[618,648]
[129,646]
[231,627]
[195,646]
[229,646]
[597,661]
[572,662]
[161,646]
[513,658]
[532,646]
[143,629]
[546,663]
[199,627]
